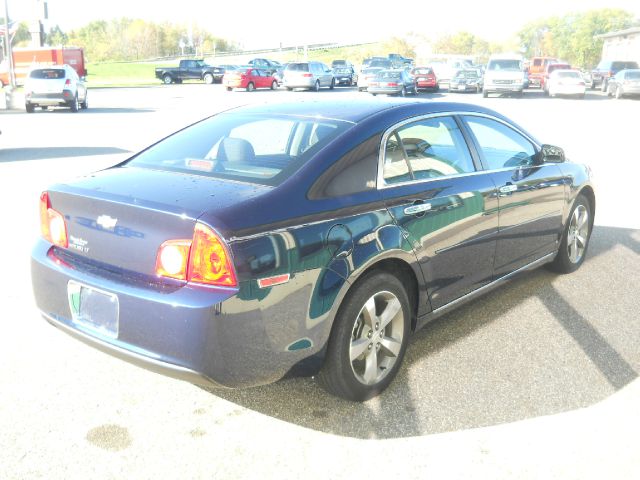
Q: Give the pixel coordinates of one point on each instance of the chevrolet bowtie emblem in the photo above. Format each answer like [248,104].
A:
[106,222]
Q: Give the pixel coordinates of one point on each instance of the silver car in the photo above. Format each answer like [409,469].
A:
[393,82]
[55,86]
[625,82]
[366,76]
[309,75]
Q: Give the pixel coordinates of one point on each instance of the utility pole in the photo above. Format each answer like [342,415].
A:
[7,42]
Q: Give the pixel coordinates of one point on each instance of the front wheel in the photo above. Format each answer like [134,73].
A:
[575,239]
[251,87]
[85,104]
[167,79]
[208,78]
[369,338]
[317,86]
[618,93]
[29,107]
[274,85]
[403,92]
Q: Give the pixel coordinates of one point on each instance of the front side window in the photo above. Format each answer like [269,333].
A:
[501,146]
[429,148]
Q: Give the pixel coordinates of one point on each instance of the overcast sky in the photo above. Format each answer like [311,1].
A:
[256,23]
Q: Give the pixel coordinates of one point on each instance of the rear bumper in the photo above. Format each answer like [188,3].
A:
[498,88]
[303,82]
[384,91]
[50,99]
[207,336]
[567,90]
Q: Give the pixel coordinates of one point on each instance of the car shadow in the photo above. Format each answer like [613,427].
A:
[47,153]
[534,347]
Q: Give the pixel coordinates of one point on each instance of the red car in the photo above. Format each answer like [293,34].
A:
[425,78]
[249,79]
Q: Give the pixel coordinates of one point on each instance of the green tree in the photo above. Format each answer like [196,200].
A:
[399,45]
[56,37]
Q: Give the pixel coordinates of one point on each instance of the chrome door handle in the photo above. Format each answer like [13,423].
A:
[417,208]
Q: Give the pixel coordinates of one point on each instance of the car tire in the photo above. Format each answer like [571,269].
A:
[618,94]
[603,86]
[208,78]
[333,84]
[29,107]
[403,92]
[575,238]
[357,366]
[316,87]
[485,94]
[274,85]
[251,87]
[229,89]
[85,104]
[167,79]
[74,105]
[288,89]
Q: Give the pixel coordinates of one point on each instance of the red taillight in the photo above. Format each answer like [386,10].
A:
[308,75]
[209,261]
[204,259]
[52,224]
[68,82]
[392,84]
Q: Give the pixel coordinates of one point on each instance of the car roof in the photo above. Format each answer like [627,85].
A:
[357,110]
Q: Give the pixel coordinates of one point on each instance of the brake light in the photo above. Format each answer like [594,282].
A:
[307,75]
[173,258]
[209,260]
[68,82]
[392,84]
[52,224]
[203,259]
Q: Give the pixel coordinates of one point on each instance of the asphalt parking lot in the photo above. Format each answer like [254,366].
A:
[536,380]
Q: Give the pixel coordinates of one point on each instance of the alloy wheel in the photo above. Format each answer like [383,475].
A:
[578,234]
[376,340]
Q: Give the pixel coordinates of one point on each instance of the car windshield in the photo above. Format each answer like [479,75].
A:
[48,73]
[252,148]
[505,64]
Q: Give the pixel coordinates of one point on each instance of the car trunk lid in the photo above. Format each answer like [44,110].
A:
[120,218]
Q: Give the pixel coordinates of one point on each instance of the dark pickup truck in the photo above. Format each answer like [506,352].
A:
[607,69]
[190,70]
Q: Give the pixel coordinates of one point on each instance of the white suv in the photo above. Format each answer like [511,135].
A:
[54,86]
[504,74]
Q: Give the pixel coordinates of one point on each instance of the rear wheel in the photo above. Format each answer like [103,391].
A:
[251,87]
[85,104]
[575,240]
[403,92]
[74,105]
[369,338]
[167,79]
[317,86]
[274,85]
[29,107]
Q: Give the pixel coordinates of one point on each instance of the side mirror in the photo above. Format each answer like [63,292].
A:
[551,154]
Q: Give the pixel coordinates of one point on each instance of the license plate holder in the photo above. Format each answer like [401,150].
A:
[94,309]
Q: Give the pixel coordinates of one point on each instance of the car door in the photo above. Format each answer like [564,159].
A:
[445,205]
[531,195]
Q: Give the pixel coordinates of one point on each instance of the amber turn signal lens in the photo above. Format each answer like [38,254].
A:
[52,224]
[172,259]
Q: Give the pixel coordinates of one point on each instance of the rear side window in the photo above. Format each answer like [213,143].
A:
[429,148]
[501,146]
[48,73]
[632,75]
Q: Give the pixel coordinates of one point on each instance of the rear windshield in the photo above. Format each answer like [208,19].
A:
[568,74]
[298,67]
[47,73]
[505,65]
[467,74]
[251,148]
[380,63]
[342,71]
[422,71]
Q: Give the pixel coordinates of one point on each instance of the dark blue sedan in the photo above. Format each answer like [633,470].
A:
[271,241]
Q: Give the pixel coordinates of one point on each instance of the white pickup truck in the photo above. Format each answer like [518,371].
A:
[504,74]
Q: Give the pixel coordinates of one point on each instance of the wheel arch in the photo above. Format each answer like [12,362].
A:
[590,195]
